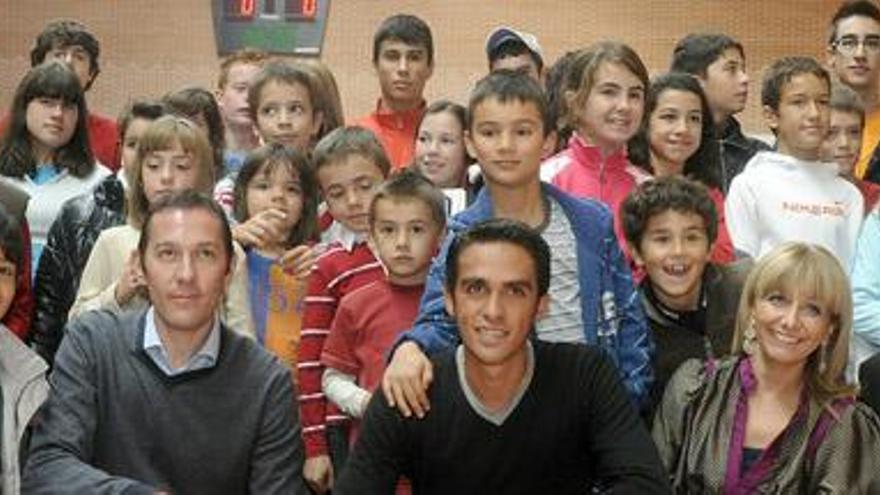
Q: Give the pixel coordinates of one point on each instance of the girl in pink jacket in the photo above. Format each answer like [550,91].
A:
[605,99]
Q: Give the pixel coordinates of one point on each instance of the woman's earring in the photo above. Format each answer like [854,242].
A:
[823,357]
[749,337]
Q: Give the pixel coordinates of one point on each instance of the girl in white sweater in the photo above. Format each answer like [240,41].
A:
[45,146]
[173,155]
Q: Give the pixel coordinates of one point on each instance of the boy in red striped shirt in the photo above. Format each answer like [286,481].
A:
[349,165]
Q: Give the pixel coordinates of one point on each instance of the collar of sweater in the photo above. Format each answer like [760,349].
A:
[774,159]
[18,362]
[590,156]
[404,119]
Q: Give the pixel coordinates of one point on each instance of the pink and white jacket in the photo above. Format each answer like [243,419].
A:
[582,171]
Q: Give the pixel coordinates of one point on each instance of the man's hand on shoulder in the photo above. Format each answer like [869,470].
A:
[406,380]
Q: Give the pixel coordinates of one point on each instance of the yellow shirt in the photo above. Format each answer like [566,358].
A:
[870,138]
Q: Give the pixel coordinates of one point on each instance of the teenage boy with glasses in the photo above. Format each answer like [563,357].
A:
[854,57]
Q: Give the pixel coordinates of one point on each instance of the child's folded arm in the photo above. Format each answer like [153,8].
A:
[342,389]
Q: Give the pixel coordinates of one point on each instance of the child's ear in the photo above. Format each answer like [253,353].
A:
[549,145]
[371,242]
[771,116]
[636,256]
[317,122]
[441,236]
[469,145]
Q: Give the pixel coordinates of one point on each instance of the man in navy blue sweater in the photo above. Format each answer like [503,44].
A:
[509,414]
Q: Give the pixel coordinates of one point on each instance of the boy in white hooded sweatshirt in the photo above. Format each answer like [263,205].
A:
[789,194]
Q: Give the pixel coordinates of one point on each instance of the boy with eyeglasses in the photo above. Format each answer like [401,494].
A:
[854,57]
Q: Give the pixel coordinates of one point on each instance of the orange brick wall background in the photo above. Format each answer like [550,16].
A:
[151,47]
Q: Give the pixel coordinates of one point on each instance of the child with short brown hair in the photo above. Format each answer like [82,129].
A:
[349,165]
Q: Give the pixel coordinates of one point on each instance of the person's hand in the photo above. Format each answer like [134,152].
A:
[130,281]
[260,230]
[299,261]
[406,379]
[318,473]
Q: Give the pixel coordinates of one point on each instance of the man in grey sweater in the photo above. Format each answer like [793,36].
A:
[168,400]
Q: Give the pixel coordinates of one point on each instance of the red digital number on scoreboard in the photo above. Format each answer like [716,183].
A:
[309,8]
[246,10]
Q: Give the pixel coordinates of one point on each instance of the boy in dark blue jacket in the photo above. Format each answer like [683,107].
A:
[592,299]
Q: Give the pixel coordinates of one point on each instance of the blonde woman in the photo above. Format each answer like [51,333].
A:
[173,155]
[777,416]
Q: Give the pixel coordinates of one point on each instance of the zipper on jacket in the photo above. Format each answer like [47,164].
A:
[724,180]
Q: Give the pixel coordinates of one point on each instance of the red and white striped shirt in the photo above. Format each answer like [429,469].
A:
[338,272]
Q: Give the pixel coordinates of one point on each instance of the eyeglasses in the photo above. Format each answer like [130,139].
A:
[849,45]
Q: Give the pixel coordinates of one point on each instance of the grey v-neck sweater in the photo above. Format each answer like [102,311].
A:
[115,423]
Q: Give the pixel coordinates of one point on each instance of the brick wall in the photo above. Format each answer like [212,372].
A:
[151,47]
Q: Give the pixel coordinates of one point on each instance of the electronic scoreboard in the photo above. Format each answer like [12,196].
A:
[294,27]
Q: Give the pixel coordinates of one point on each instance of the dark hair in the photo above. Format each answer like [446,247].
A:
[844,99]
[411,185]
[781,73]
[11,241]
[498,230]
[406,28]
[581,73]
[697,51]
[555,90]
[245,56]
[703,164]
[514,48]
[187,200]
[138,109]
[657,196]
[328,98]
[263,161]
[62,34]
[50,80]
[446,106]
[194,102]
[505,86]
[290,74]
[847,9]
[347,141]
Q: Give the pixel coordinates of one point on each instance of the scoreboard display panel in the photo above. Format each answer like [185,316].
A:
[291,27]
